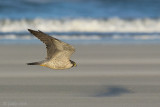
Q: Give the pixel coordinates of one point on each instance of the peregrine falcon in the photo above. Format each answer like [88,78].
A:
[58,52]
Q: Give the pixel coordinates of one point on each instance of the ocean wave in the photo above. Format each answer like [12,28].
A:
[103,37]
[81,25]
[64,37]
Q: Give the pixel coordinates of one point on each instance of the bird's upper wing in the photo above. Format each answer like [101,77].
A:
[53,45]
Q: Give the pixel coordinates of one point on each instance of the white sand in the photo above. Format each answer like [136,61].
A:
[106,76]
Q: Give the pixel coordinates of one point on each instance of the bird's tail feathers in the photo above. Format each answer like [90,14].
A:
[34,63]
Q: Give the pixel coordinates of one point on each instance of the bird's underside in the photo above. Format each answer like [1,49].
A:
[58,52]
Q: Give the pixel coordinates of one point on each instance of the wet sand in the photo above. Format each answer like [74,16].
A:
[106,76]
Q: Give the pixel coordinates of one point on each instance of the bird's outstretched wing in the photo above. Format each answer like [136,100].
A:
[53,45]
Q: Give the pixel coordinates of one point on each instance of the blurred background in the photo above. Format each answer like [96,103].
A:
[81,21]
[117,52]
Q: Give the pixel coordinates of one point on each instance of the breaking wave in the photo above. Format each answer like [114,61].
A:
[81,25]
[82,30]
[85,36]
[64,37]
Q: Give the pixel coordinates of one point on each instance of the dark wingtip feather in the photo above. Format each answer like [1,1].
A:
[30,30]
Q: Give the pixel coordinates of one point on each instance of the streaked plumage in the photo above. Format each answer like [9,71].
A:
[58,52]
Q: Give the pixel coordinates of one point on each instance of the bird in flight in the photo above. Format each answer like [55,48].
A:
[58,52]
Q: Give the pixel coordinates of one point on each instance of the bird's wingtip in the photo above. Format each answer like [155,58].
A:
[30,30]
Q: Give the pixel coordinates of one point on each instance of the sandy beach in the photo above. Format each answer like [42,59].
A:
[106,76]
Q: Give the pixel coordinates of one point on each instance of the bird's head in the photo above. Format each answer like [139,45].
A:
[74,64]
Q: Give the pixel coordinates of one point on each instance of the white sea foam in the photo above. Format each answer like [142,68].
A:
[137,37]
[15,37]
[84,37]
[64,37]
[81,25]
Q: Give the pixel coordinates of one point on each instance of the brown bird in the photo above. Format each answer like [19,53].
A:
[58,52]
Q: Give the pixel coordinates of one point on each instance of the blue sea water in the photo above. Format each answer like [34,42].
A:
[81,21]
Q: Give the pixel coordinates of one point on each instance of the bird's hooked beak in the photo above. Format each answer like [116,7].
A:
[74,64]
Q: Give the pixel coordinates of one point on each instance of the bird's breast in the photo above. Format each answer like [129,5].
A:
[54,64]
